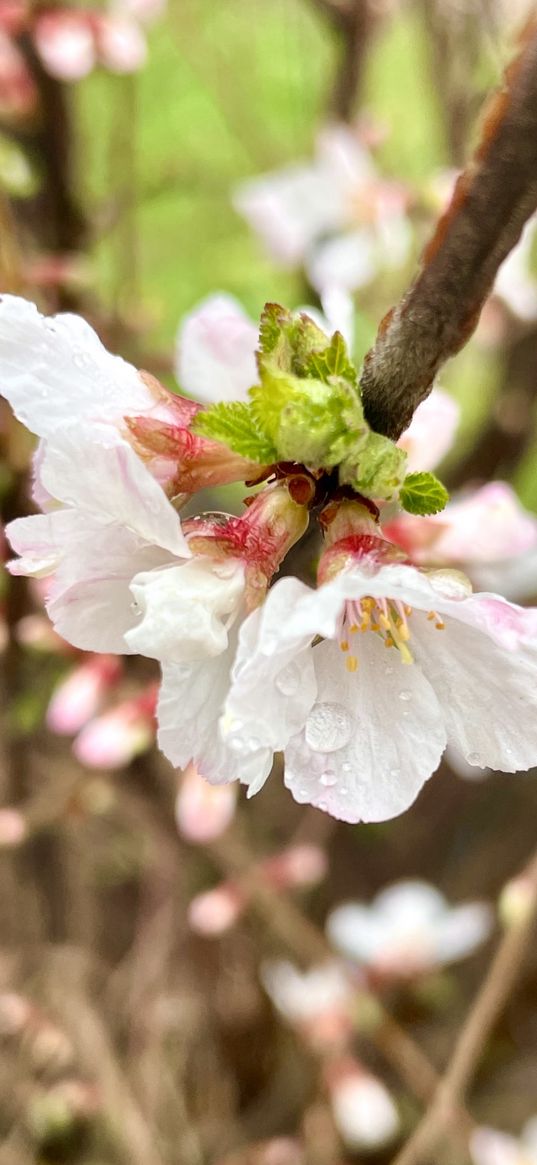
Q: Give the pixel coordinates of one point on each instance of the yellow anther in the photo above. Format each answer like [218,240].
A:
[343,646]
[351,663]
[440,625]
[388,642]
[354,629]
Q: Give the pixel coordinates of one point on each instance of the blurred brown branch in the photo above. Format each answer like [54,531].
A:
[492,200]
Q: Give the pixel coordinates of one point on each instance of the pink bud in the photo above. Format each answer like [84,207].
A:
[65,42]
[111,741]
[203,811]
[79,696]
[13,16]
[121,44]
[363,1110]
[300,865]
[18,94]
[13,829]
[212,913]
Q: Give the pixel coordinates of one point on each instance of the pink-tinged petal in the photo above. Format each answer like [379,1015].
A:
[490,1147]
[191,702]
[364,752]
[79,696]
[488,692]
[184,462]
[105,478]
[203,812]
[515,282]
[40,542]
[216,345]
[318,1001]
[65,43]
[113,740]
[54,371]
[214,912]
[431,432]
[486,527]
[121,44]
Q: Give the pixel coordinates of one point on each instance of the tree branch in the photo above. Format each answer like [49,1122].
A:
[492,200]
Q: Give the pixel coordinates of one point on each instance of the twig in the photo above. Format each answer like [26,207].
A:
[490,1001]
[492,200]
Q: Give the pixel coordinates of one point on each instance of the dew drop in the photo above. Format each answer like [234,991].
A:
[405,696]
[346,767]
[135,608]
[474,758]
[287,682]
[395,772]
[343,792]
[302,794]
[328,727]
[328,778]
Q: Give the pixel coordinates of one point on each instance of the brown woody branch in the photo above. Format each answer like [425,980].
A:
[492,200]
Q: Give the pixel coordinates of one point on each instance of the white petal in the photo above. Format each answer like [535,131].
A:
[273,682]
[490,1147]
[378,749]
[488,694]
[190,705]
[461,931]
[40,540]
[364,1112]
[54,370]
[185,610]
[290,208]
[107,479]
[216,346]
[410,903]
[356,931]
[346,262]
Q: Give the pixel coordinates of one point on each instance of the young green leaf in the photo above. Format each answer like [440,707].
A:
[423,493]
[234,424]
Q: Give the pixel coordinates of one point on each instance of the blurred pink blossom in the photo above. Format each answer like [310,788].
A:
[318,1002]
[202,811]
[112,740]
[78,697]
[492,1147]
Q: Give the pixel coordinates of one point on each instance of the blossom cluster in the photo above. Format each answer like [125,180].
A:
[69,43]
[361,681]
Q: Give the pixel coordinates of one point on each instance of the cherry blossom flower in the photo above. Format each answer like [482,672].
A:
[491,1147]
[317,1002]
[459,667]
[301,212]
[408,929]
[364,1113]
[72,42]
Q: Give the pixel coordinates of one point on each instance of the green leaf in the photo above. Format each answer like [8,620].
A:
[375,467]
[333,360]
[234,424]
[423,493]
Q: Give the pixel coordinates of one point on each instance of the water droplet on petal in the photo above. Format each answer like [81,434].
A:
[328,778]
[395,772]
[474,758]
[346,767]
[343,792]
[405,696]
[328,727]
[287,682]
[136,608]
[302,794]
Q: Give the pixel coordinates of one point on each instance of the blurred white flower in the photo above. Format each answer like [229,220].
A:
[491,1147]
[318,1002]
[363,1110]
[408,929]
[334,215]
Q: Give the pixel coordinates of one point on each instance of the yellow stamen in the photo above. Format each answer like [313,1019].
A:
[351,663]
[344,646]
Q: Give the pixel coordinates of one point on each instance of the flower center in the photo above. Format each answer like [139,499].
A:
[387,618]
